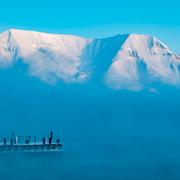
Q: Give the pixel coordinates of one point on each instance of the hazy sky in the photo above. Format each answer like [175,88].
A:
[96,18]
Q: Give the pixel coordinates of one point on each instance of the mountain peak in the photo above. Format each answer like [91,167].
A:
[145,41]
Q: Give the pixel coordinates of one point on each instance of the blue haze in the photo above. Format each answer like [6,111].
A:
[106,134]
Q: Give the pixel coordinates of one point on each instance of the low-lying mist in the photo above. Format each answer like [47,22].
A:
[106,134]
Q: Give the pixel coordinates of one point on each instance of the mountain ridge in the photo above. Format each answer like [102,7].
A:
[123,61]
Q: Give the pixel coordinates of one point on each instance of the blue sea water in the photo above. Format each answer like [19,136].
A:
[106,134]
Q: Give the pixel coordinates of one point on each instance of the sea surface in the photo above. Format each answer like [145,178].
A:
[106,134]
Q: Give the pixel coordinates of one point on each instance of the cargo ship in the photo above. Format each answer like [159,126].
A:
[29,144]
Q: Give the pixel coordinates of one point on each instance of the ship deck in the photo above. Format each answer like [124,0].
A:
[31,148]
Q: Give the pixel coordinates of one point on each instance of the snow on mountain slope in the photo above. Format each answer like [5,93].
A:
[121,62]
[141,60]
[50,57]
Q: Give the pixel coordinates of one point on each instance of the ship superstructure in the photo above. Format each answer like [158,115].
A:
[29,144]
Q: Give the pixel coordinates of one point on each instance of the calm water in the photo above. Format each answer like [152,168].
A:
[106,134]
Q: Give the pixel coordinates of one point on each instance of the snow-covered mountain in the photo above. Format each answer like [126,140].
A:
[121,62]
